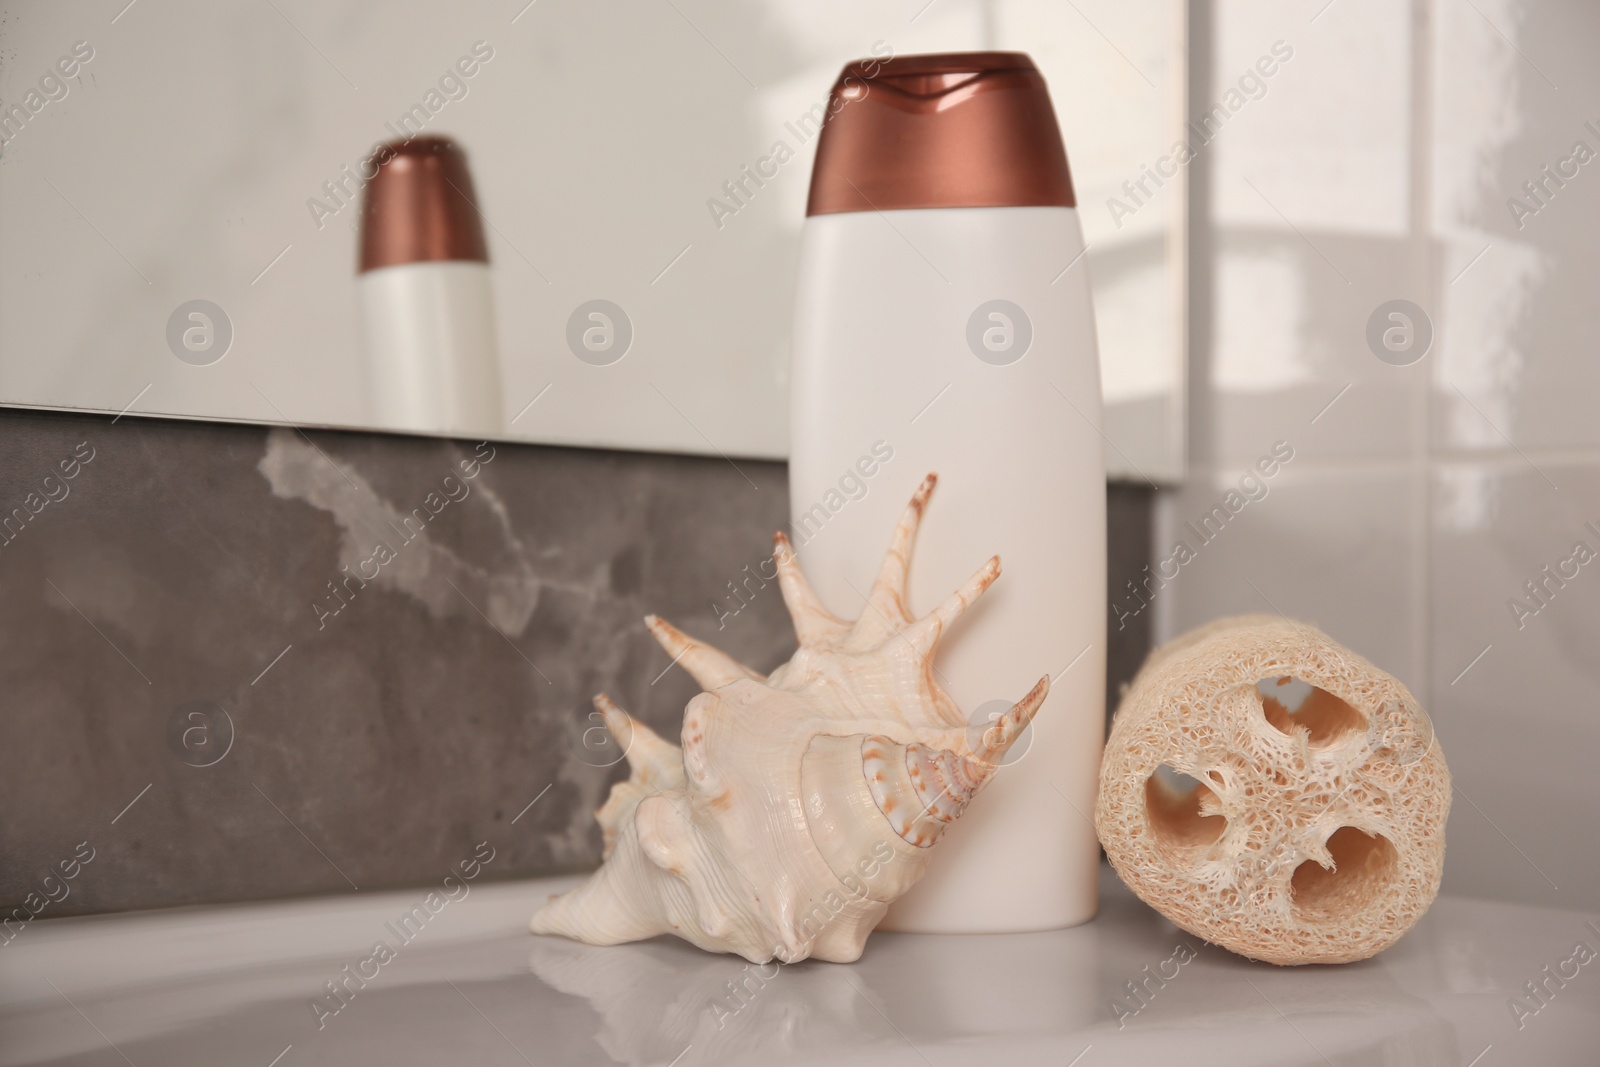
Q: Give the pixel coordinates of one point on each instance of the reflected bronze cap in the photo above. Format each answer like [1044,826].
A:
[961,129]
[420,206]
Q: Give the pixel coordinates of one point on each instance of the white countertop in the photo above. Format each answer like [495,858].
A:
[235,985]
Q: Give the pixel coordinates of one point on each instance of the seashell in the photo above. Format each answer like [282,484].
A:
[801,804]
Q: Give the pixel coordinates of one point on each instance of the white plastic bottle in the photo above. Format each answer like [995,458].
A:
[423,292]
[944,324]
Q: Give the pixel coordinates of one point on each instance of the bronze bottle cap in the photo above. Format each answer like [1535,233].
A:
[961,129]
[420,206]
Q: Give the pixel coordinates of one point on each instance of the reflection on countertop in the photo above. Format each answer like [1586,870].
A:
[244,985]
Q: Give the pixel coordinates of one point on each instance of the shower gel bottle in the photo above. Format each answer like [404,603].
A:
[943,323]
[423,295]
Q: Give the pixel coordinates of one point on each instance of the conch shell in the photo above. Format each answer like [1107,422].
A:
[802,804]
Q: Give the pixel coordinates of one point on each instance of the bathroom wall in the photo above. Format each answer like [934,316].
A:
[1387,160]
[246,663]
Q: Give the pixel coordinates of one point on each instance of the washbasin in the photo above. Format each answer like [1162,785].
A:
[302,982]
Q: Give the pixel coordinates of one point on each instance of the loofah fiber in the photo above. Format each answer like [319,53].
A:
[1274,793]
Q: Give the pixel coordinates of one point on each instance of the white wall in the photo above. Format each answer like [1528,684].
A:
[1378,165]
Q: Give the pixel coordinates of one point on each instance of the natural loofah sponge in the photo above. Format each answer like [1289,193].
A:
[1274,793]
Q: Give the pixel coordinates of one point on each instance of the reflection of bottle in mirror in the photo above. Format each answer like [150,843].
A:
[944,324]
[427,316]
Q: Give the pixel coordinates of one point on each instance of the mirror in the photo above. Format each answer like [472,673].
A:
[179,200]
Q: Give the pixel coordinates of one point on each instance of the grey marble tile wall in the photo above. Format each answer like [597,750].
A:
[243,663]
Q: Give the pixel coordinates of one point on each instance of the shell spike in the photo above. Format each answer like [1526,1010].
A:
[655,764]
[646,750]
[924,634]
[1007,728]
[712,668]
[813,624]
[888,593]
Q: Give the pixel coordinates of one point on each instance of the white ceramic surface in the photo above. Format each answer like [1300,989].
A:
[234,986]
